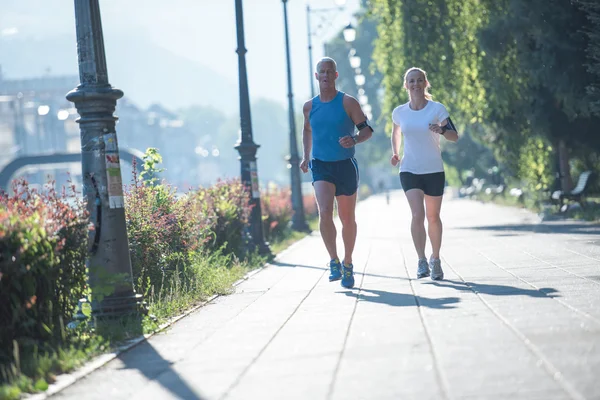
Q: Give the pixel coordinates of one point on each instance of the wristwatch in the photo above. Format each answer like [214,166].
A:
[355,138]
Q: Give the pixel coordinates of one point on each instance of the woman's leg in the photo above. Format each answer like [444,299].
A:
[417,226]
[433,205]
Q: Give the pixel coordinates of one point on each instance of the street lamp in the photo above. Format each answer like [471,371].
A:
[96,100]
[298,219]
[246,146]
[349,33]
[340,6]
[354,59]
[359,80]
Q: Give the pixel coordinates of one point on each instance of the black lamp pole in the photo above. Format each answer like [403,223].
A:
[95,100]
[298,219]
[246,146]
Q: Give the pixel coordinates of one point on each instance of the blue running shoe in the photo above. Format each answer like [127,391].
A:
[348,276]
[335,268]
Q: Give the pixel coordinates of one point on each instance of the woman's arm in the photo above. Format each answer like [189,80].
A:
[446,129]
[396,142]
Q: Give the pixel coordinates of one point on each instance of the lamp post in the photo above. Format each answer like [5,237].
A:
[246,146]
[349,33]
[108,259]
[340,6]
[298,219]
[310,59]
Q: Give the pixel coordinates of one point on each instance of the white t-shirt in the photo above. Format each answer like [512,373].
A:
[422,154]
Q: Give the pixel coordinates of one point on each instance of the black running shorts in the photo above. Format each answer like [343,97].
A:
[343,174]
[431,184]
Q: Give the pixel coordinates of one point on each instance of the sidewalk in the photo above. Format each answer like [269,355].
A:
[517,317]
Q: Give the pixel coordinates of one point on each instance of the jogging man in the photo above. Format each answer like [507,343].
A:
[328,138]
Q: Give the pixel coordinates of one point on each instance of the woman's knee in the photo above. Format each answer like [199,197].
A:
[433,218]
[418,216]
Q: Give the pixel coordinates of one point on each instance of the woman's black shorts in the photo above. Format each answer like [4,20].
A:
[431,184]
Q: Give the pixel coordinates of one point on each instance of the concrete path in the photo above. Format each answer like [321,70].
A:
[518,317]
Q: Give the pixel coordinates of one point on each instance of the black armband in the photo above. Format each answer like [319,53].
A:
[449,126]
[364,124]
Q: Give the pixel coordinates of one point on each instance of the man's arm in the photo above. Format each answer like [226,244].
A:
[356,114]
[306,136]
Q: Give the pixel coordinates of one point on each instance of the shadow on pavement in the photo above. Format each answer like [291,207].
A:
[549,227]
[495,290]
[149,362]
[282,264]
[402,299]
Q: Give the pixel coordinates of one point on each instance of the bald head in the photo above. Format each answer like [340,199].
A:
[326,60]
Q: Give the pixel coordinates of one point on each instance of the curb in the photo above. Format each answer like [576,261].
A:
[63,381]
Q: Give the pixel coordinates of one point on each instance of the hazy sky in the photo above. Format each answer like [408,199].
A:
[201,30]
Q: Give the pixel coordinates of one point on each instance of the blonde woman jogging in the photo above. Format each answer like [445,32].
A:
[421,123]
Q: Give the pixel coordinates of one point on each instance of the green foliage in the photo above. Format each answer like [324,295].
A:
[506,70]
[440,37]
[535,164]
[150,170]
[226,208]
[592,11]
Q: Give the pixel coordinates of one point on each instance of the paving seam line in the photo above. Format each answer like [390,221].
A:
[443,382]
[245,370]
[567,305]
[339,362]
[548,366]
[562,269]
[66,380]
[583,255]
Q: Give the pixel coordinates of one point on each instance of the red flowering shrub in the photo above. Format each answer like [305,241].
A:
[43,246]
[163,232]
[276,207]
[226,208]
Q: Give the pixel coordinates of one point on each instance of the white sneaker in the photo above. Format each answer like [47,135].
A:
[422,269]
[436,269]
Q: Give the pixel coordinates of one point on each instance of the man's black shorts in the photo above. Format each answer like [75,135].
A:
[343,174]
[431,184]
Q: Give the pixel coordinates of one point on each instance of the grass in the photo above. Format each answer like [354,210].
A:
[278,246]
[213,274]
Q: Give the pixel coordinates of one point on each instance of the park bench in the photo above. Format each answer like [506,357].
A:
[577,194]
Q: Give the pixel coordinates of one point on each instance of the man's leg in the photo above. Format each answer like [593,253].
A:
[325,193]
[417,226]
[346,212]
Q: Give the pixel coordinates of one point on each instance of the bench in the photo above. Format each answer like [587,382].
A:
[577,194]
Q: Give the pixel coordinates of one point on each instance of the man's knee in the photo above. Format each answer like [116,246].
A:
[326,213]
[347,218]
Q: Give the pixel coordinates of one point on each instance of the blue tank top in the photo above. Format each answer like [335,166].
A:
[329,122]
